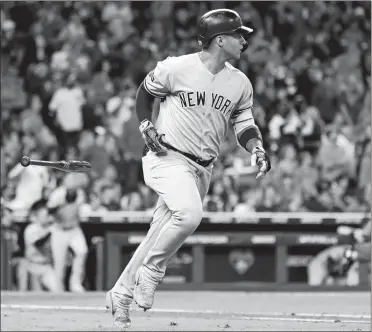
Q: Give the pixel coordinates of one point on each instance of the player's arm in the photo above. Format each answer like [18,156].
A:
[56,198]
[247,132]
[43,239]
[34,237]
[55,101]
[144,103]
[155,85]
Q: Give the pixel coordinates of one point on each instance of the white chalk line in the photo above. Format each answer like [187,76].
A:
[298,317]
[214,293]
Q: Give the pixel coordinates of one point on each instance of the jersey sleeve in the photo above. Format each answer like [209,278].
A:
[242,117]
[158,82]
[32,234]
[56,198]
[54,103]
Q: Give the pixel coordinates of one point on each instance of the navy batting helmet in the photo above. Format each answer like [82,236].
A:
[219,22]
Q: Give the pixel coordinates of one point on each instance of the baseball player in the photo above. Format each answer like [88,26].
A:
[360,250]
[201,93]
[66,202]
[38,253]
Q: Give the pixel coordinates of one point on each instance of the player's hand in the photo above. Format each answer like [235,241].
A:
[259,157]
[151,136]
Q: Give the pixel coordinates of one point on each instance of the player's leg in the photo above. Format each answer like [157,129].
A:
[49,279]
[59,246]
[121,295]
[182,186]
[35,272]
[125,284]
[79,246]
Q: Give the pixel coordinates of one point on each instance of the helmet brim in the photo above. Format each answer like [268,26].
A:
[244,29]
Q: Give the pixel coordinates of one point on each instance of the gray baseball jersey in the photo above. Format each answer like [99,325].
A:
[198,105]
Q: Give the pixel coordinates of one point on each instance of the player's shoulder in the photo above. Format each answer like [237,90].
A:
[61,190]
[32,228]
[181,61]
[185,58]
[238,75]
[57,197]
[59,93]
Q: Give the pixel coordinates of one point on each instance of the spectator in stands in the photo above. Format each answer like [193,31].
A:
[215,200]
[74,32]
[328,198]
[307,174]
[101,86]
[336,155]
[10,152]
[94,205]
[269,200]
[93,149]
[247,204]
[108,179]
[229,194]
[118,17]
[232,200]
[61,59]
[311,129]
[132,202]
[289,192]
[288,163]
[38,253]
[118,109]
[35,131]
[66,103]
[309,65]
[30,183]
[110,198]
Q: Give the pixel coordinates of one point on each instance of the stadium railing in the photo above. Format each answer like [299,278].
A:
[265,250]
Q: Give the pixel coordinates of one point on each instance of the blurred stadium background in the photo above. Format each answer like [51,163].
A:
[309,63]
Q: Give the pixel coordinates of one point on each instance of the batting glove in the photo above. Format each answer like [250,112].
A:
[259,157]
[151,136]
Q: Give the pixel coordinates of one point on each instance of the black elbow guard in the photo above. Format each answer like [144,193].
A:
[245,136]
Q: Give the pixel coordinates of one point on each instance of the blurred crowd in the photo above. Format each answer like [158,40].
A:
[70,70]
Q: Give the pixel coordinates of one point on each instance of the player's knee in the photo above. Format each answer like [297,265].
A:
[81,250]
[81,253]
[189,217]
[52,283]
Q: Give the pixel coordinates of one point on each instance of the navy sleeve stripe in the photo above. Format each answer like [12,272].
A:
[243,109]
[245,120]
[152,93]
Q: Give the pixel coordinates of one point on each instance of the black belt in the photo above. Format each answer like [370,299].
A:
[201,162]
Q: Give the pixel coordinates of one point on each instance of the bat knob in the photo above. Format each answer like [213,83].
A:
[25,161]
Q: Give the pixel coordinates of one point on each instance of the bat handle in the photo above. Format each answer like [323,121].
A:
[25,161]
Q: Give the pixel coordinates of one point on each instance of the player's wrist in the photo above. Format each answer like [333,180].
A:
[145,124]
[258,148]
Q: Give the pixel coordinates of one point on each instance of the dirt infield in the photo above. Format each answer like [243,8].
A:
[192,311]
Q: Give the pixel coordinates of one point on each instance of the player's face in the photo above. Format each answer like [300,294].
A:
[233,45]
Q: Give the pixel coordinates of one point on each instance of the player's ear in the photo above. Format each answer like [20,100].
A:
[219,41]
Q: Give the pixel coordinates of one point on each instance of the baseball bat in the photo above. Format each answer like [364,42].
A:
[63,165]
